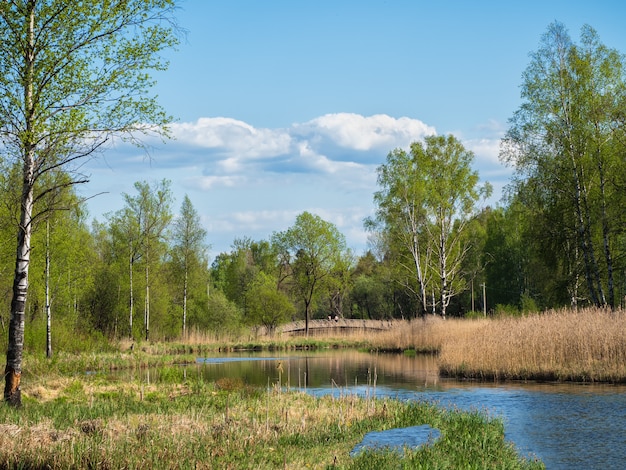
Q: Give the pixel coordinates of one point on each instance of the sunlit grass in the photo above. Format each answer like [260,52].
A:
[89,423]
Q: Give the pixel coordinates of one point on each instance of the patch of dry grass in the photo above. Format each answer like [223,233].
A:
[166,423]
[587,345]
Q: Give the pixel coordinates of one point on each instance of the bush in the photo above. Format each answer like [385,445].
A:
[507,310]
[528,304]
[66,337]
[475,314]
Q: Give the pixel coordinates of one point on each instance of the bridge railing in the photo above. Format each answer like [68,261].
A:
[332,324]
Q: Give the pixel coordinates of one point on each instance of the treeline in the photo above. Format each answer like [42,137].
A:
[558,239]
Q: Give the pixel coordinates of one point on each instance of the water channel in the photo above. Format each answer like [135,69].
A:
[567,426]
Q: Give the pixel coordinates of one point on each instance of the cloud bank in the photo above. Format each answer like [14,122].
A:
[249,181]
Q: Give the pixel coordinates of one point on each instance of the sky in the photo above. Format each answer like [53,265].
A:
[282,107]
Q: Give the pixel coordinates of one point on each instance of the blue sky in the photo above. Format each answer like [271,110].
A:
[290,106]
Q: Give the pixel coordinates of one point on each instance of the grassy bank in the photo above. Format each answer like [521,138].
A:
[89,422]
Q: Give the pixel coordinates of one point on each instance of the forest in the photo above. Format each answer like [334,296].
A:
[556,239]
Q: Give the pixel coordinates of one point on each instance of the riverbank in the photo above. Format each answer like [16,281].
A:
[87,421]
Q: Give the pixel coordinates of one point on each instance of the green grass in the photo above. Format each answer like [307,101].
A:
[87,422]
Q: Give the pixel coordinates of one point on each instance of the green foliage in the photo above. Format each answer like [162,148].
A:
[565,142]
[503,256]
[528,304]
[104,300]
[189,258]
[472,314]
[312,250]
[426,200]
[222,317]
[267,305]
[505,310]
[68,336]
[234,272]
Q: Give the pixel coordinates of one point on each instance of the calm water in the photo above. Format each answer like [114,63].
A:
[566,426]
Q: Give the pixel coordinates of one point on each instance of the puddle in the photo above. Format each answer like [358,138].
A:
[397,439]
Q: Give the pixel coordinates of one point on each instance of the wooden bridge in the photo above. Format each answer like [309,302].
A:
[332,325]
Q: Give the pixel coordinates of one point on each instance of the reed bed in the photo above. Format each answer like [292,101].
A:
[584,346]
[424,335]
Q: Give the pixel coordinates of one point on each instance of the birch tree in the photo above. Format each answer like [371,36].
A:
[74,75]
[452,193]
[565,144]
[426,199]
[401,215]
[189,249]
[150,208]
[125,231]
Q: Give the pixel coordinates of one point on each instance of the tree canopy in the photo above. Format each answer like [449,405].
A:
[567,143]
[426,199]
[310,249]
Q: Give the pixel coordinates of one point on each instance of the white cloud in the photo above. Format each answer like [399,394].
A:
[485,150]
[254,224]
[230,145]
[248,181]
[206,183]
[357,132]
[233,137]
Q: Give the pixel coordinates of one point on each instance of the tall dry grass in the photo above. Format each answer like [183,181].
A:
[586,345]
[427,335]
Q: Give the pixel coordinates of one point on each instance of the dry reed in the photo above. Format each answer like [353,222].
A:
[586,345]
[425,335]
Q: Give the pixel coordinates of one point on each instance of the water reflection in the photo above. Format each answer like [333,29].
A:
[566,425]
[338,369]
[398,439]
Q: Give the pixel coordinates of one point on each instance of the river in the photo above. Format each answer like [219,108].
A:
[567,426]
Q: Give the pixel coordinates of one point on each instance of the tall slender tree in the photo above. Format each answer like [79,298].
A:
[401,216]
[189,248]
[74,74]
[151,208]
[125,231]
